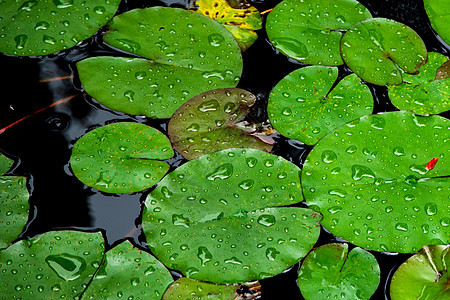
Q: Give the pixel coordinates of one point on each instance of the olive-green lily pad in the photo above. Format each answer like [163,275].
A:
[43,27]
[207,123]
[376,49]
[5,164]
[438,12]
[129,273]
[305,105]
[54,265]
[241,21]
[217,218]
[183,54]
[423,93]
[425,275]
[443,72]
[121,157]
[14,207]
[332,272]
[311,31]
[382,181]
[190,289]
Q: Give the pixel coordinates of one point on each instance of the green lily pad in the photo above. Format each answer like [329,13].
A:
[439,13]
[376,49]
[331,272]
[43,27]
[207,123]
[305,105]
[422,93]
[14,207]
[54,265]
[424,275]
[129,273]
[190,289]
[5,164]
[241,21]
[184,54]
[382,181]
[121,157]
[311,31]
[217,218]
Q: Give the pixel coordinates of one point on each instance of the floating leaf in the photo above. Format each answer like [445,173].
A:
[121,157]
[310,31]
[5,164]
[207,123]
[376,48]
[190,289]
[217,218]
[305,106]
[187,54]
[129,273]
[43,27]
[57,264]
[439,13]
[369,180]
[423,276]
[241,22]
[331,272]
[444,71]
[422,93]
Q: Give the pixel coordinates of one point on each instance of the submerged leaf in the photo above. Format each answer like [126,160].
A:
[54,265]
[305,105]
[424,275]
[369,180]
[121,157]
[207,123]
[241,22]
[424,93]
[190,289]
[217,218]
[129,273]
[47,26]
[310,31]
[439,13]
[183,54]
[331,272]
[5,164]
[376,49]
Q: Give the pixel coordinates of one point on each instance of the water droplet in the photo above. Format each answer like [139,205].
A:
[292,48]
[63,3]
[216,39]
[246,184]
[149,271]
[211,105]
[328,156]
[68,267]
[378,122]
[21,40]
[193,127]
[359,171]
[129,45]
[233,260]
[398,151]
[41,25]
[100,10]
[272,253]
[180,220]
[351,149]
[140,75]
[129,94]
[266,220]
[229,107]
[48,40]
[401,226]
[431,209]
[334,209]
[204,255]
[223,172]
[338,192]
[27,5]
[445,221]
[286,111]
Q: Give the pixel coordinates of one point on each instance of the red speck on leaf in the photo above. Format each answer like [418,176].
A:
[432,163]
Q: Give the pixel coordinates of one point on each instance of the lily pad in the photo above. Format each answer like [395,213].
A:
[57,264]
[190,289]
[129,273]
[439,13]
[423,93]
[311,31]
[382,181]
[241,21]
[5,164]
[332,272]
[184,54]
[207,123]
[47,26]
[424,275]
[217,218]
[305,105]
[376,49]
[121,157]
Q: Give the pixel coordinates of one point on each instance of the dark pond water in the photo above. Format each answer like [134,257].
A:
[42,143]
